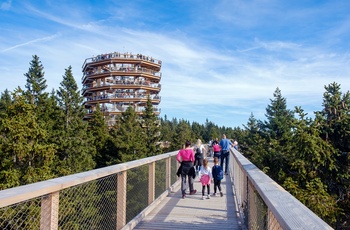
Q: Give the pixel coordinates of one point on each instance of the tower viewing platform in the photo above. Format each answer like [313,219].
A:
[116,81]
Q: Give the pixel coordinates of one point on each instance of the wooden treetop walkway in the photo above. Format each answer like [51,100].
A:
[193,212]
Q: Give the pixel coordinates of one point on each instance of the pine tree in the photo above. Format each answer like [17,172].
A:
[336,117]
[25,155]
[253,144]
[99,130]
[166,133]
[127,138]
[277,131]
[213,131]
[75,152]
[198,131]
[5,101]
[36,83]
[312,166]
[183,133]
[334,120]
[150,124]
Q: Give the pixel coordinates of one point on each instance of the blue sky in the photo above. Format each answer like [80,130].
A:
[222,60]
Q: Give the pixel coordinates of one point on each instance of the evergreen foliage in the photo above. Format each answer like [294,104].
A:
[5,101]
[74,153]
[127,138]
[308,157]
[334,122]
[183,133]
[150,125]
[36,83]
[99,130]
[25,155]
[277,132]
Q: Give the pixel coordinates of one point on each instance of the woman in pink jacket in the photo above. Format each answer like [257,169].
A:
[186,170]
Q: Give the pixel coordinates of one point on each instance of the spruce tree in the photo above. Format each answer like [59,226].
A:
[166,133]
[36,83]
[5,101]
[25,155]
[277,131]
[150,124]
[212,130]
[99,130]
[336,117]
[311,168]
[183,133]
[334,120]
[198,131]
[253,144]
[127,138]
[75,151]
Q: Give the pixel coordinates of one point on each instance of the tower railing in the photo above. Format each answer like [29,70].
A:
[263,204]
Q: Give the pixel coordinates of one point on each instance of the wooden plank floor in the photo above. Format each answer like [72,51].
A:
[193,212]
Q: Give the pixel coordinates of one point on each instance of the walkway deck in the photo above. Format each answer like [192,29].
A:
[193,212]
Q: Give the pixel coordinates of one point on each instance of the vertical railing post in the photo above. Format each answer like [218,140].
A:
[121,199]
[151,182]
[49,212]
[168,172]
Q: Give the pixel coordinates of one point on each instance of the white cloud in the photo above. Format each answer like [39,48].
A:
[226,82]
[6,5]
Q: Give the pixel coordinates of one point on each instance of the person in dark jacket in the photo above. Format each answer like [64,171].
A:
[217,176]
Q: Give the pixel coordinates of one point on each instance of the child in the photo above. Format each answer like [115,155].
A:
[205,177]
[218,174]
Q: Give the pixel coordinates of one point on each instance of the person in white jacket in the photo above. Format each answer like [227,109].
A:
[205,176]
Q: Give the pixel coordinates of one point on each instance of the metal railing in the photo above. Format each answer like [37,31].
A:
[113,197]
[117,55]
[263,204]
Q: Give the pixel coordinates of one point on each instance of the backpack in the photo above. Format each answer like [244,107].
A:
[198,151]
[219,172]
[198,154]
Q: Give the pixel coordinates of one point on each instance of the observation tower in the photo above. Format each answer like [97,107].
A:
[116,81]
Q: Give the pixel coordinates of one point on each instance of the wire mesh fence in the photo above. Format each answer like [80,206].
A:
[24,215]
[160,172]
[96,204]
[263,204]
[137,191]
[173,170]
[257,216]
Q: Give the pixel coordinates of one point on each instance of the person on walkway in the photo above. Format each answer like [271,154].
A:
[217,150]
[217,176]
[235,144]
[186,158]
[205,177]
[215,141]
[199,155]
[225,145]
[210,146]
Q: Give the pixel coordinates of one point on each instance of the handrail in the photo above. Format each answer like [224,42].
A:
[53,200]
[266,205]
[118,55]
